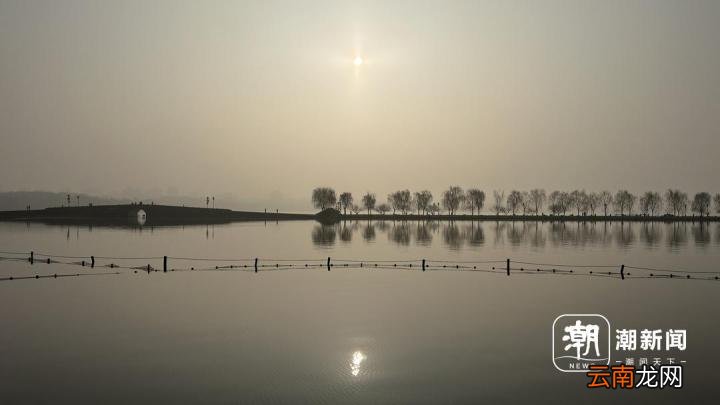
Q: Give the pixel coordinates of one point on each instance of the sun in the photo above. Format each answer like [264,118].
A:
[358,61]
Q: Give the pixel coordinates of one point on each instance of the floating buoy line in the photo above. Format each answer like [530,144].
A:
[505,266]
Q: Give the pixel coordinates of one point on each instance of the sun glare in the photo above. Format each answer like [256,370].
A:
[358,61]
[357,359]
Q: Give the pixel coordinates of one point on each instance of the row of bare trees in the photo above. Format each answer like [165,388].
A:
[532,202]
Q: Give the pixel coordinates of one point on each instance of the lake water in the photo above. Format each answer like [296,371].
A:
[350,335]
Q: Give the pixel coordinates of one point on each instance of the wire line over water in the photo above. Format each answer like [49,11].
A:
[496,266]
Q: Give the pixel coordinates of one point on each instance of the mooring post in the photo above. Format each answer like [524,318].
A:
[507,267]
[148,268]
[328,263]
[32,257]
[423,265]
[165,264]
[622,271]
[92,262]
[256,260]
[82,263]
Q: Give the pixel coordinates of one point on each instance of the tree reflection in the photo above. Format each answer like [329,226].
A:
[678,234]
[324,235]
[383,226]
[605,234]
[474,234]
[701,233]
[499,232]
[346,232]
[650,234]
[400,233]
[624,234]
[536,237]
[423,235]
[458,234]
[586,233]
[560,234]
[515,233]
[369,232]
[452,236]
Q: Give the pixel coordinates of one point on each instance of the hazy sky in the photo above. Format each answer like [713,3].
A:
[254,98]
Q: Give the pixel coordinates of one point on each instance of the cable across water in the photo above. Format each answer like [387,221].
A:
[483,265]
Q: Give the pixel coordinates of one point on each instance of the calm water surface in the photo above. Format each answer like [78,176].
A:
[345,336]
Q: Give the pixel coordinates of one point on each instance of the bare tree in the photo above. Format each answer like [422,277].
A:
[579,200]
[560,202]
[624,201]
[566,201]
[499,197]
[323,197]
[701,203]
[383,208]
[423,199]
[676,202]
[369,202]
[684,201]
[391,201]
[716,200]
[655,203]
[650,202]
[400,201]
[619,201]
[475,199]
[556,202]
[645,203]
[672,201]
[605,199]
[405,201]
[584,202]
[525,202]
[537,199]
[593,200]
[346,200]
[575,200]
[452,198]
[514,200]
[630,199]
[355,209]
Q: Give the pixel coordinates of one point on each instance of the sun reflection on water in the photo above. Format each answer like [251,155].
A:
[357,358]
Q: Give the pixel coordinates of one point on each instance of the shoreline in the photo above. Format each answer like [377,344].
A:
[141,214]
[531,218]
[137,214]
